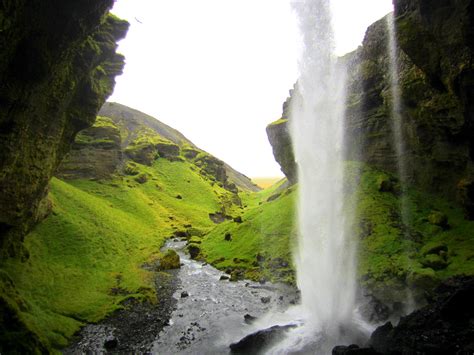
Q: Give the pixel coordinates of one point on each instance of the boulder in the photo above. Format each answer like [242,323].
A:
[170,260]
[194,250]
[444,326]
[256,342]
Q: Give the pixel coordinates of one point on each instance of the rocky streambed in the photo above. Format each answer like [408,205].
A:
[200,311]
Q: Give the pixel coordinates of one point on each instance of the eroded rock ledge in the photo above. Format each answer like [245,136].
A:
[57,67]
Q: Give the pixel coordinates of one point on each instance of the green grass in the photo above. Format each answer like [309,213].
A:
[267,229]
[392,249]
[86,257]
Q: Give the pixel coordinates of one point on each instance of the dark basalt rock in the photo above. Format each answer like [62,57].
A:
[95,154]
[279,137]
[445,326]
[258,341]
[353,349]
[436,77]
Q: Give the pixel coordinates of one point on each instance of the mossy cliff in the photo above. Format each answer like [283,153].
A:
[128,183]
[435,65]
[57,67]
[279,137]
[436,84]
[435,52]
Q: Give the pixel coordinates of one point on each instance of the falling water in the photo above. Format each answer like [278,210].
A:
[396,102]
[325,258]
[397,134]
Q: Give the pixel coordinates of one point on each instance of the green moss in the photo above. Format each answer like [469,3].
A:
[170,260]
[279,121]
[96,240]
[267,230]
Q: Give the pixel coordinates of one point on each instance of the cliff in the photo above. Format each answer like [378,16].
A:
[57,67]
[435,68]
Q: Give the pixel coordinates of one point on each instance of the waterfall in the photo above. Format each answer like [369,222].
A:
[397,134]
[397,123]
[325,256]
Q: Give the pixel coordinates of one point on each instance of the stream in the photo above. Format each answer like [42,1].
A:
[198,313]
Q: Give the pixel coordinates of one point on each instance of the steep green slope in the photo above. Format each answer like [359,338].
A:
[87,256]
[432,243]
[259,247]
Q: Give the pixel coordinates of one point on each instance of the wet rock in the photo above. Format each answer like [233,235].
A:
[111,344]
[258,341]
[353,349]
[265,299]
[249,319]
[170,260]
[194,250]
[374,310]
[184,294]
[445,326]
[236,275]
[224,277]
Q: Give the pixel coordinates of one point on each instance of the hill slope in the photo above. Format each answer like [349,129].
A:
[123,190]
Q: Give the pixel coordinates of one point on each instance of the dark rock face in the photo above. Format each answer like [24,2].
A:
[95,154]
[436,77]
[57,67]
[279,137]
[436,82]
[258,341]
[445,326]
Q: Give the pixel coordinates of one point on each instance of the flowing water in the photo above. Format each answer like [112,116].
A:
[325,257]
[211,317]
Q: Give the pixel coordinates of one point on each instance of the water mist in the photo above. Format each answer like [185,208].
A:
[325,257]
[397,133]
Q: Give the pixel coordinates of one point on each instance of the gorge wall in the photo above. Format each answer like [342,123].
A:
[436,77]
[57,67]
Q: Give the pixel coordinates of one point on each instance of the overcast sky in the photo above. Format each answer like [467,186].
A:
[219,70]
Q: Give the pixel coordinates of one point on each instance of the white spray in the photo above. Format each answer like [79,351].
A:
[325,258]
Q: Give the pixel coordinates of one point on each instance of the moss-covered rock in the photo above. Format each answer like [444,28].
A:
[55,77]
[96,152]
[170,260]
[194,250]
[280,140]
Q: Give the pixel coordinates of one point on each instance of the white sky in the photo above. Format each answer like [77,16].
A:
[219,70]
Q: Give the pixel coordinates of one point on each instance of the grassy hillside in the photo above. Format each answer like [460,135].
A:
[259,247]
[431,243]
[86,257]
